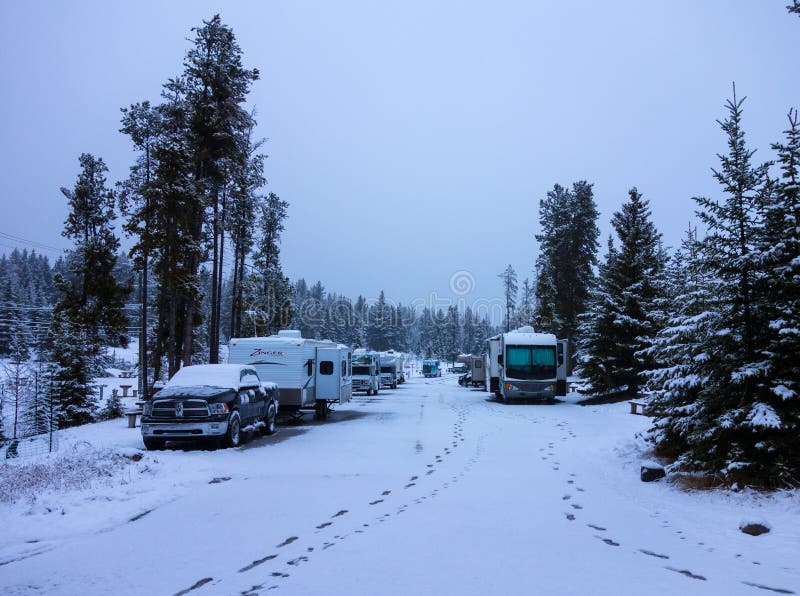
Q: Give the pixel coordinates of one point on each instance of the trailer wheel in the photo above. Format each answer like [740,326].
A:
[321,410]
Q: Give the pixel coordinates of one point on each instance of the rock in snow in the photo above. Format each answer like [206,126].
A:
[754,528]
[652,471]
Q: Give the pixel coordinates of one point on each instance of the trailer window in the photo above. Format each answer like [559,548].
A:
[476,364]
[326,367]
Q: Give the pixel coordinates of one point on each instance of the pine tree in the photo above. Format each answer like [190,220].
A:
[623,315]
[89,313]
[567,255]
[510,286]
[731,428]
[91,298]
[674,383]
[527,304]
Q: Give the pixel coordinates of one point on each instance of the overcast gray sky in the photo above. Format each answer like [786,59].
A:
[413,139]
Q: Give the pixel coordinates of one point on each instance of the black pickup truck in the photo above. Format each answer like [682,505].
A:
[218,402]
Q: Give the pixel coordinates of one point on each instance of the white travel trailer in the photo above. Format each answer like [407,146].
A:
[391,369]
[532,366]
[493,364]
[366,371]
[308,372]
[478,372]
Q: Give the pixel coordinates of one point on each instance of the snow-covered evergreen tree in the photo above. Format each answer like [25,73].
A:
[675,383]
[567,255]
[510,287]
[623,312]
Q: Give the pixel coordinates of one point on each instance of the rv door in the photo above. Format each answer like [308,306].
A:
[328,373]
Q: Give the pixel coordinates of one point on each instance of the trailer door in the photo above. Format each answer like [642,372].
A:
[328,373]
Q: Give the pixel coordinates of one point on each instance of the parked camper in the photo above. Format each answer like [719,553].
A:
[431,368]
[391,369]
[308,372]
[366,371]
[478,372]
[532,366]
[493,364]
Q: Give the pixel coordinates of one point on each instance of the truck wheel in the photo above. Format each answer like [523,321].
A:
[233,437]
[269,421]
[153,444]
[375,392]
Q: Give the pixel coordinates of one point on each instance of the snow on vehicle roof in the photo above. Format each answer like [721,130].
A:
[280,340]
[212,375]
[525,336]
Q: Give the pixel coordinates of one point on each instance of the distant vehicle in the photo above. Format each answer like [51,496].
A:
[391,369]
[431,368]
[308,372]
[219,402]
[459,368]
[532,366]
[366,372]
[492,364]
[478,372]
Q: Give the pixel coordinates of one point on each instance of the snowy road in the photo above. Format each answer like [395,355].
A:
[428,489]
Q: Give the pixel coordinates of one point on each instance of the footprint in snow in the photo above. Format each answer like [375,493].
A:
[376,502]
[653,554]
[608,541]
[566,497]
[686,572]
[763,587]
[340,513]
[410,484]
[324,525]
[279,574]
[386,493]
[412,479]
[297,561]
[598,528]
[287,542]
[570,517]
[256,563]
[576,506]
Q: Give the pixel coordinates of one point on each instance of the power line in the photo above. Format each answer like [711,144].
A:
[33,243]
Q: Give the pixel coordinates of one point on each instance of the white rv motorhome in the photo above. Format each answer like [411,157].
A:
[532,366]
[391,369]
[366,371]
[308,372]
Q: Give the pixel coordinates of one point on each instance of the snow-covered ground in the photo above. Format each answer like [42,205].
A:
[428,489]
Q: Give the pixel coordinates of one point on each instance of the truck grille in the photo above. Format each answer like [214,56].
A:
[192,408]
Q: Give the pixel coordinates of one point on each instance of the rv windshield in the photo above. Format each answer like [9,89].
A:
[361,370]
[531,362]
[428,368]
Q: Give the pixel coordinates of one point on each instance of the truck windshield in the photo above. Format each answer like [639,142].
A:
[361,370]
[427,368]
[387,369]
[531,362]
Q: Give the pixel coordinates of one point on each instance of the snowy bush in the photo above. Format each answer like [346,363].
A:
[84,468]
